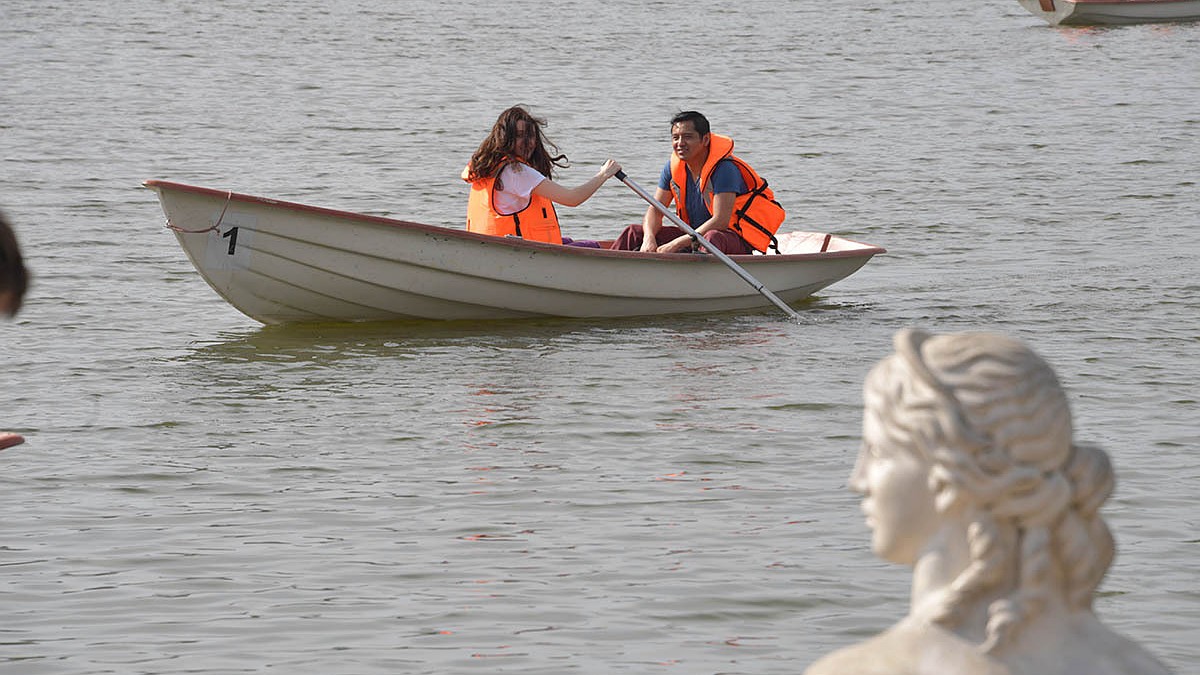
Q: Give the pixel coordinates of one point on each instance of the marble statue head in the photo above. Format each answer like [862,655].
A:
[969,474]
[988,423]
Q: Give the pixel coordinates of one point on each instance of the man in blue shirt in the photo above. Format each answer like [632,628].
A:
[698,169]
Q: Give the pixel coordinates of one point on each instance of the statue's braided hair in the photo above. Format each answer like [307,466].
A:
[993,422]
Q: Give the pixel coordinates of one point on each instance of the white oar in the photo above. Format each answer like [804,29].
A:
[708,245]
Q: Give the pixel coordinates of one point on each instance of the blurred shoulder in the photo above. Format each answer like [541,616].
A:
[905,649]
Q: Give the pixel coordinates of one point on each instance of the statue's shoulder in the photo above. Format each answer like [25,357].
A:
[889,653]
[907,649]
[859,659]
[1096,648]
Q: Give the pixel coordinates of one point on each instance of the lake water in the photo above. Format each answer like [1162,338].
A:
[202,494]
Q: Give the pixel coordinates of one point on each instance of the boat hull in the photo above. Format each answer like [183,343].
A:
[1112,12]
[281,262]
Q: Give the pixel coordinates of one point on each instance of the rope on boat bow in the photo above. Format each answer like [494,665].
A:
[214,226]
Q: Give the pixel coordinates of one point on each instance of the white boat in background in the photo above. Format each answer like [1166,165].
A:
[1104,12]
[281,262]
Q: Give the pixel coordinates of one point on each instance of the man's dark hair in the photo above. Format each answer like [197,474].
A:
[699,122]
[14,278]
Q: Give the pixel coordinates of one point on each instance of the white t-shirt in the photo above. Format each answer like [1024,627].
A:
[519,181]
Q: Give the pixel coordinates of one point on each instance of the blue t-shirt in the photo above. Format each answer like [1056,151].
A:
[725,178]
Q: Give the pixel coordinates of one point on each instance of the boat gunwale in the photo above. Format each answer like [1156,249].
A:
[1112,13]
[1127,2]
[867,250]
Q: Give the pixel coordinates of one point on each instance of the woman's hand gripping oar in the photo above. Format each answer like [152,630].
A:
[708,246]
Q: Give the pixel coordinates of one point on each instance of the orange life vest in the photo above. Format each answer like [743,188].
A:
[537,222]
[756,215]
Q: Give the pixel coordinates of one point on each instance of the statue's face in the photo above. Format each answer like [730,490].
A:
[897,500]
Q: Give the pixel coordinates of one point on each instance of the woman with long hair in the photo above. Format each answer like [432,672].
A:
[969,474]
[512,191]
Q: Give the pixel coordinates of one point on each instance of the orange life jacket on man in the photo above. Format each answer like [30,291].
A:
[537,222]
[756,215]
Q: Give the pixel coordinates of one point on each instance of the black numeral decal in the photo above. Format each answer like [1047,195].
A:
[232,235]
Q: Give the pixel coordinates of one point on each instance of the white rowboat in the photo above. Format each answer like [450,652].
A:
[281,262]
[1100,12]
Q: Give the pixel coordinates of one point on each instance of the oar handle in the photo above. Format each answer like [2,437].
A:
[708,245]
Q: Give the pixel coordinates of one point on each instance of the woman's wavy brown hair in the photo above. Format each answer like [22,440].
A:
[498,149]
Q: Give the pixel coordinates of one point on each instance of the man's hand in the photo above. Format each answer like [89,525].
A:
[677,245]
